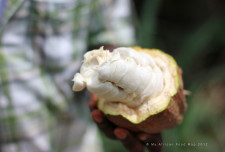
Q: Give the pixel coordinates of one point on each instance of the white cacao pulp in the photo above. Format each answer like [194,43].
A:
[124,75]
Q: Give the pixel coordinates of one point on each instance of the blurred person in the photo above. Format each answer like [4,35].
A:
[41,47]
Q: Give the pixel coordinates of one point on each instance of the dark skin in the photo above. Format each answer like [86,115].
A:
[133,142]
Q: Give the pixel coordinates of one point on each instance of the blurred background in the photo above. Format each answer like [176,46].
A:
[193,32]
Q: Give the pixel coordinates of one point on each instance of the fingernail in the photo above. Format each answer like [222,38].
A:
[94,97]
[120,133]
[91,104]
[142,136]
[97,116]
[181,71]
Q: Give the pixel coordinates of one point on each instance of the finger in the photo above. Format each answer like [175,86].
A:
[153,142]
[93,103]
[180,71]
[131,143]
[103,123]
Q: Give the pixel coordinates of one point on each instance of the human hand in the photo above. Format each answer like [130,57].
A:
[133,142]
